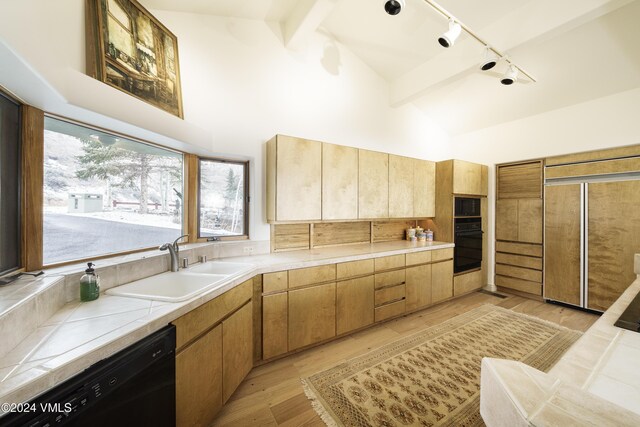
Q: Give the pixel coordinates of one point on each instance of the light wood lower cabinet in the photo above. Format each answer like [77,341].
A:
[199,380]
[418,287]
[465,283]
[354,304]
[441,281]
[312,315]
[275,325]
[237,348]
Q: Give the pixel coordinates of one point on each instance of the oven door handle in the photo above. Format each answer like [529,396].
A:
[466,233]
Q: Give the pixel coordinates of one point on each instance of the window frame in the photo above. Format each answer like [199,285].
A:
[245,202]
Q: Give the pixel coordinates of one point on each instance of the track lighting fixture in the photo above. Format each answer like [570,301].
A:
[394,7]
[510,76]
[489,59]
[450,37]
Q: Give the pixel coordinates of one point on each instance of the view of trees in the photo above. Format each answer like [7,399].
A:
[222,198]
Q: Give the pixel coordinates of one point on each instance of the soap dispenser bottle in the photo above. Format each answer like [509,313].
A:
[89,284]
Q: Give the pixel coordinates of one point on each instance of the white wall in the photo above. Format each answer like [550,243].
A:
[601,123]
[240,87]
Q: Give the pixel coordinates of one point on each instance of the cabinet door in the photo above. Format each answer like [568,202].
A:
[441,281]
[613,239]
[507,219]
[530,220]
[418,287]
[312,315]
[298,179]
[424,189]
[237,343]
[339,182]
[199,380]
[275,325]
[373,184]
[467,178]
[400,187]
[520,180]
[562,243]
[354,304]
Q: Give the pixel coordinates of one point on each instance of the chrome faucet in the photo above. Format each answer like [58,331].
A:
[174,251]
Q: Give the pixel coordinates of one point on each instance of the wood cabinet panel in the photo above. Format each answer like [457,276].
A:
[287,237]
[400,187]
[441,281]
[339,182]
[467,178]
[534,250]
[519,272]
[237,349]
[606,167]
[354,304]
[424,188]
[441,254]
[310,275]
[562,243]
[341,233]
[312,315]
[373,184]
[390,310]
[298,179]
[519,285]
[587,156]
[520,181]
[275,325]
[344,270]
[418,287]
[613,239]
[389,278]
[415,258]
[465,283]
[530,220]
[277,281]
[389,262]
[507,219]
[519,260]
[389,294]
[199,380]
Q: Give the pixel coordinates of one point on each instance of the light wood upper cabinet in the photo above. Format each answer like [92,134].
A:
[294,179]
[339,182]
[424,189]
[237,343]
[467,178]
[521,180]
[519,220]
[373,184]
[400,187]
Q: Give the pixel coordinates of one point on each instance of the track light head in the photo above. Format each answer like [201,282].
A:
[510,77]
[489,59]
[450,37]
[394,7]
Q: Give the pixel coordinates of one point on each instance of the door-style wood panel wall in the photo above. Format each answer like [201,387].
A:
[562,243]
[613,238]
[339,182]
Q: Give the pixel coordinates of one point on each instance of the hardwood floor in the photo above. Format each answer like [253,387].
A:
[272,394]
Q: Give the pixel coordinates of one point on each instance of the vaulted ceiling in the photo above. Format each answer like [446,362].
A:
[576,49]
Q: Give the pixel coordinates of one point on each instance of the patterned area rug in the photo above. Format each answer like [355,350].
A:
[432,378]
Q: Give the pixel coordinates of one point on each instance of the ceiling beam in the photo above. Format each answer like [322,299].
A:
[304,20]
[534,21]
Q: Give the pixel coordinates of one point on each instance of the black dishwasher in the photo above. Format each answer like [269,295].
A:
[135,387]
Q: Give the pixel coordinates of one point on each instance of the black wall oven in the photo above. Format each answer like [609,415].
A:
[467,254]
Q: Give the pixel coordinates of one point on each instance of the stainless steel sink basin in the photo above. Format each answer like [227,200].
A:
[170,287]
[220,267]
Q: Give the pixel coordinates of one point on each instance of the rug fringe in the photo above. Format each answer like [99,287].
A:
[316,405]
[537,319]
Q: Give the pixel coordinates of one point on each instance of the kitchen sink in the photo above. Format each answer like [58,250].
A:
[170,287]
[221,267]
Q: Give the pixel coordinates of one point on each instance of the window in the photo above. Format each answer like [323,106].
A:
[223,198]
[10,254]
[105,194]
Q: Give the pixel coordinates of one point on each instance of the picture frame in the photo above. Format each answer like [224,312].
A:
[130,50]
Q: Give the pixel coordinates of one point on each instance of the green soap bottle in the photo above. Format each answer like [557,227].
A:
[89,284]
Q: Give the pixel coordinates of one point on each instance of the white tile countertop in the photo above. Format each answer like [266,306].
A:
[83,333]
[596,382]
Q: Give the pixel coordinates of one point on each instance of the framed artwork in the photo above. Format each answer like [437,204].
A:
[129,49]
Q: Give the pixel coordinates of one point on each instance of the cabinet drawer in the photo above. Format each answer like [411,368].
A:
[387,295]
[311,275]
[354,268]
[278,281]
[464,283]
[519,273]
[414,258]
[519,285]
[519,248]
[202,318]
[389,310]
[441,254]
[390,278]
[389,262]
[519,260]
